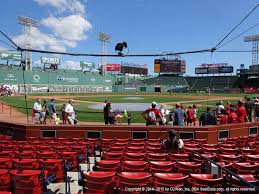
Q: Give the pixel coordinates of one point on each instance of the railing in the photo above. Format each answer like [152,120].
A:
[227,170]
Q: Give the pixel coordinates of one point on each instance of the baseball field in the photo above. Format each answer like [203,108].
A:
[89,106]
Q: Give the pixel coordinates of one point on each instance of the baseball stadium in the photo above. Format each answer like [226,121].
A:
[126,116]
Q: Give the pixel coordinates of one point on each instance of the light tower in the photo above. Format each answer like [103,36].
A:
[104,39]
[27,23]
[254,39]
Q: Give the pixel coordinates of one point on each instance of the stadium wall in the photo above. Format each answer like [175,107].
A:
[57,81]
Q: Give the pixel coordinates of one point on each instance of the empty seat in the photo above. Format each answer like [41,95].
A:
[205,180]
[188,167]
[252,158]
[98,182]
[107,165]
[26,164]
[210,150]
[135,156]
[197,158]
[134,166]
[169,180]
[113,155]
[209,145]
[161,166]
[227,146]
[4,180]
[179,157]
[53,167]
[10,148]
[136,149]
[229,158]
[223,150]
[157,156]
[6,163]
[131,180]
[248,177]
[26,155]
[116,149]
[246,167]
[43,148]
[26,181]
[69,157]
[47,155]
[7,154]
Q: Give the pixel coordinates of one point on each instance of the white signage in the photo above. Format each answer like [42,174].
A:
[50,60]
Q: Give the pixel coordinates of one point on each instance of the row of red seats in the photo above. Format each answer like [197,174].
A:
[184,167]
[24,182]
[105,182]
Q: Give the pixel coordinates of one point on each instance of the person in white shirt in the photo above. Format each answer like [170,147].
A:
[37,108]
[69,110]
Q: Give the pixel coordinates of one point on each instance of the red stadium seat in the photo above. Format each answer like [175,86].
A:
[78,149]
[209,145]
[228,150]
[169,180]
[107,165]
[161,166]
[135,156]
[191,145]
[200,141]
[134,166]
[227,146]
[98,182]
[7,154]
[47,155]
[207,150]
[113,155]
[10,148]
[131,180]
[229,158]
[26,148]
[252,158]
[246,167]
[136,149]
[6,163]
[25,164]
[53,167]
[248,151]
[26,155]
[149,140]
[42,148]
[153,149]
[137,144]
[188,167]
[189,150]
[157,156]
[61,148]
[196,158]
[179,157]
[5,180]
[248,177]
[205,180]
[116,149]
[69,157]
[26,181]
[122,140]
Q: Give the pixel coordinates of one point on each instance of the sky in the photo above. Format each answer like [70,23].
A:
[148,26]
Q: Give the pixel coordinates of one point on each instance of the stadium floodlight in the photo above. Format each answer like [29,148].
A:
[254,39]
[27,23]
[104,38]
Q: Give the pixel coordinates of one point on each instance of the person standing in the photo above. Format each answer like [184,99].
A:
[178,115]
[69,110]
[52,109]
[152,115]
[241,111]
[232,116]
[44,111]
[107,111]
[37,109]
[195,113]
[208,118]
[190,115]
[129,118]
[222,117]
[63,114]
[249,108]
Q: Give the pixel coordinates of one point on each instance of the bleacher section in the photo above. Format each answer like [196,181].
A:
[30,165]
[215,83]
[166,80]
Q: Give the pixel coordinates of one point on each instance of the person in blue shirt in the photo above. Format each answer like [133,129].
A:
[52,109]
[178,116]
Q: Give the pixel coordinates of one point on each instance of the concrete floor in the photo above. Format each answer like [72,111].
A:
[59,188]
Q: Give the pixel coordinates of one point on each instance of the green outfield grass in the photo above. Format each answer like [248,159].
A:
[91,115]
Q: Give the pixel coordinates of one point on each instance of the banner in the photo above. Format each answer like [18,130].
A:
[113,67]
[12,56]
[84,64]
[50,60]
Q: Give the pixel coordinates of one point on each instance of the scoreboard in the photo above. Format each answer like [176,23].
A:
[169,66]
[134,70]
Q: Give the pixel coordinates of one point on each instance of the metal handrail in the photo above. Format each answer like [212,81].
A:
[228,171]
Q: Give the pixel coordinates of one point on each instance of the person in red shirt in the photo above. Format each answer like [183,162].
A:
[190,114]
[227,107]
[152,114]
[232,116]
[222,117]
[241,112]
